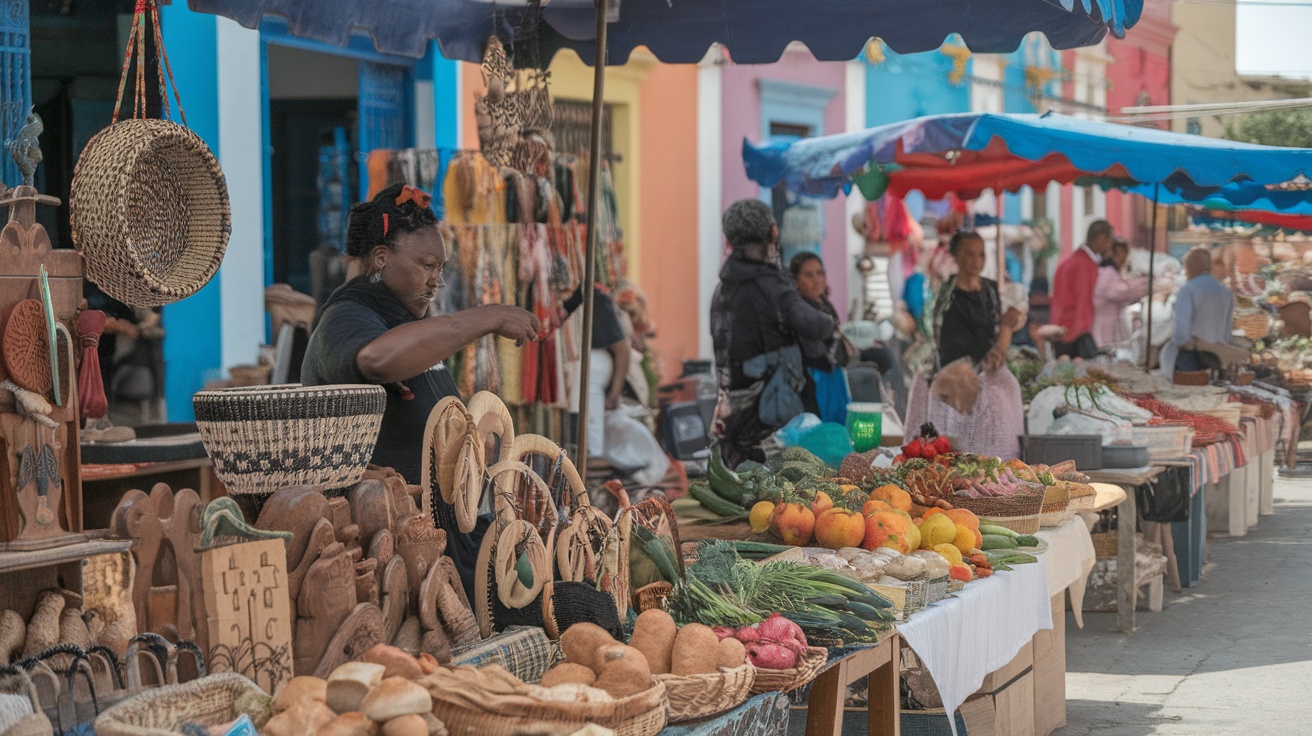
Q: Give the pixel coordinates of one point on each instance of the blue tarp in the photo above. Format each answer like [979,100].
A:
[681,31]
[823,166]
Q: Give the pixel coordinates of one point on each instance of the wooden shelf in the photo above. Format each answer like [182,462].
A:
[12,561]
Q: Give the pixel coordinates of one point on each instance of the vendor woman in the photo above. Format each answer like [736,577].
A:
[375,329]
[972,328]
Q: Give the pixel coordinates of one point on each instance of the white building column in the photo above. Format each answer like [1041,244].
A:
[710,180]
[241,153]
[854,101]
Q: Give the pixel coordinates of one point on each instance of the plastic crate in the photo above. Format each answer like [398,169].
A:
[1051,449]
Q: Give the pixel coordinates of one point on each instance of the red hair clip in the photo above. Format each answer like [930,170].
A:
[386,225]
[413,194]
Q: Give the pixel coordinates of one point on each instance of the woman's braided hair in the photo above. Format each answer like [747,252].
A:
[378,221]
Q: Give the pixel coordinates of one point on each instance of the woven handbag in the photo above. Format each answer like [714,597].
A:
[149,203]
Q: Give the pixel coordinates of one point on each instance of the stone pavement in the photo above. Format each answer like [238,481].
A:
[1232,655]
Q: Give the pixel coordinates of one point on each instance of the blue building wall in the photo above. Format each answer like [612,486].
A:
[193,344]
[193,347]
[906,86]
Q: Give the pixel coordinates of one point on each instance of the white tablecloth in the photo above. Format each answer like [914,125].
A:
[1070,557]
[964,638]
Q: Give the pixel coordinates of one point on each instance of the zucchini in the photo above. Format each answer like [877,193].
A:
[831,602]
[1001,531]
[873,600]
[711,500]
[724,482]
[994,542]
[1027,540]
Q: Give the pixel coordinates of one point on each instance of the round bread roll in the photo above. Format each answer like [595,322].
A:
[395,697]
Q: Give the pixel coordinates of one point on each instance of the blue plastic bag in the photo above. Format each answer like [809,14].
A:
[829,442]
[790,435]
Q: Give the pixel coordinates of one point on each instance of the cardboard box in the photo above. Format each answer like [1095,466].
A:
[1050,672]
[1006,712]
[1023,663]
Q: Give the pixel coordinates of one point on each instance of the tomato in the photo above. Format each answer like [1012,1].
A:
[929,452]
[942,444]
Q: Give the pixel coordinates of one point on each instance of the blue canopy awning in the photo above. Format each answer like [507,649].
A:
[975,151]
[681,31]
[1245,195]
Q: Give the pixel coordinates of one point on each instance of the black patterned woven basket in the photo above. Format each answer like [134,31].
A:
[265,438]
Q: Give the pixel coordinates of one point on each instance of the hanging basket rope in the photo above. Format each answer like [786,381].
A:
[149,203]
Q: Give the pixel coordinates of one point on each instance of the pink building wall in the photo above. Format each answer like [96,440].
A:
[1140,75]
[742,117]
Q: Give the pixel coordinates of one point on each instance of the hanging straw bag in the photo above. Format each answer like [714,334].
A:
[149,204]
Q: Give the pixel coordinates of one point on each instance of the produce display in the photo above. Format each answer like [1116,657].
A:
[1207,429]
[723,589]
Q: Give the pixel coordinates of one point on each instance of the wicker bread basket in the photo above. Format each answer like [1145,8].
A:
[149,211]
[514,712]
[782,681]
[693,697]
[265,438]
[163,711]
[1020,524]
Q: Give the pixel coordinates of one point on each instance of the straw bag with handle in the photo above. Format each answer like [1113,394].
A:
[149,204]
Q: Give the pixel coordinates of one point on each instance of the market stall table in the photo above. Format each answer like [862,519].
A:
[1127,592]
[881,664]
[961,640]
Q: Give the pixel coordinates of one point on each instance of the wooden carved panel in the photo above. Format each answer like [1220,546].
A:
[248,611]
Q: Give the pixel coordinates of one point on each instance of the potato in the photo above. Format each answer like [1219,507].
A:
[653,635]
[568,673]
[581,643]
[732,653]
[696,651]
[622,671]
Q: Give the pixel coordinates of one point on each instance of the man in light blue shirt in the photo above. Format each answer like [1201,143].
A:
[1204,312]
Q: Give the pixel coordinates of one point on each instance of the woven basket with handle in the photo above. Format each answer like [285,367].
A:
[782,681]
[693,697]
[149,203]
[209,701]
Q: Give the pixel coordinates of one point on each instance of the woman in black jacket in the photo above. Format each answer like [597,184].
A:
[757,321]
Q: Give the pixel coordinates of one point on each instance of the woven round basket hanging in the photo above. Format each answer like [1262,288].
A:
[149,203]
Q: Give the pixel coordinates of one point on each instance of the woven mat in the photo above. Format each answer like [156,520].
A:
[525,652]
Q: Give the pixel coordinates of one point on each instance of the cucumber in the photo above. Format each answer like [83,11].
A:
[1027,540]
[726,483]
[995,541]
[828,601]
[1000,531]
[711,500]
[874,600]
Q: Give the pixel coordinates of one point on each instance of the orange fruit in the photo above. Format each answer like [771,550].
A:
[839,528]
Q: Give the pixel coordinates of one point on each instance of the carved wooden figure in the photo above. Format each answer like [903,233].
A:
[165,526]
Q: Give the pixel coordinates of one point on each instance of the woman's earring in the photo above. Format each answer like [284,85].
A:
[378,276]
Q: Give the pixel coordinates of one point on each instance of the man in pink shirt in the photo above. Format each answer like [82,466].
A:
[1072,292]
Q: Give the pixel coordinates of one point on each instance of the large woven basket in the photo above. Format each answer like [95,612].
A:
[693,697]
[783,681]
[1021,504]
[149,211]
[265,438]
[516,714]
[163,711]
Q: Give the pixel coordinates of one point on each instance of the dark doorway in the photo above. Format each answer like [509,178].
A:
[300,130]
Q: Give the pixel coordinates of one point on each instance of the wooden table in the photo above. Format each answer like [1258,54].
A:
[1127,515]
[829,692]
